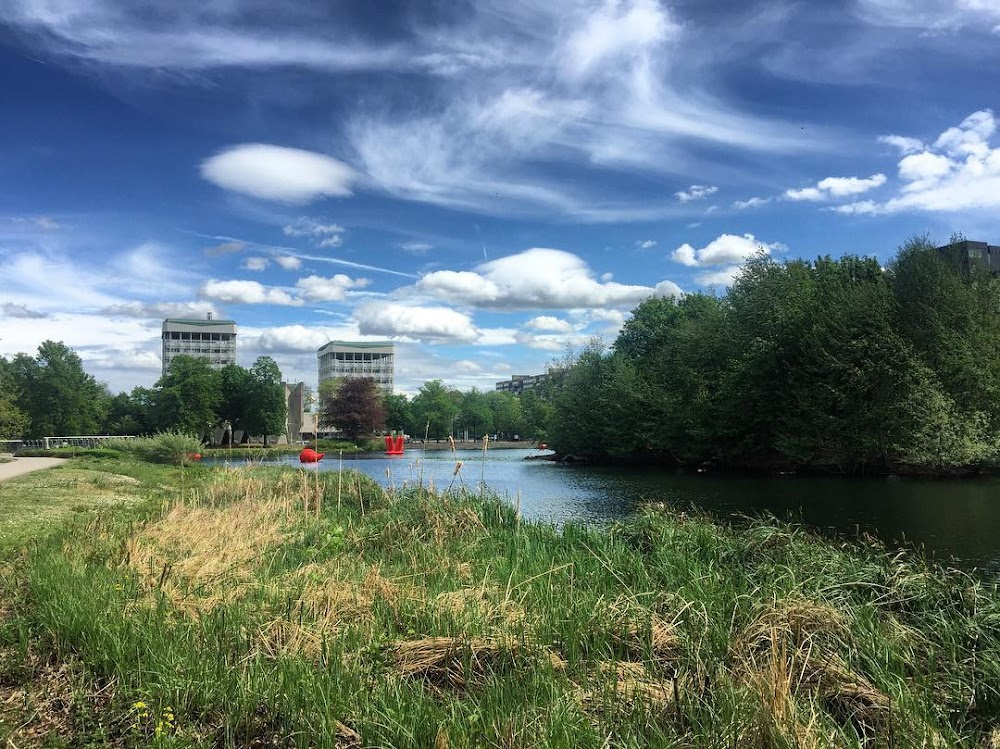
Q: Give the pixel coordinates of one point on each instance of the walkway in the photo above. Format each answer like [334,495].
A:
[21,466]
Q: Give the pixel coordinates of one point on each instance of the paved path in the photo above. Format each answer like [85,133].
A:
[20,466]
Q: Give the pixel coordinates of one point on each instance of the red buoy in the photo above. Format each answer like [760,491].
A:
[310,456]
[393,446]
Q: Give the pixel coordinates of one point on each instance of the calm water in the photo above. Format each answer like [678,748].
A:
[955,521]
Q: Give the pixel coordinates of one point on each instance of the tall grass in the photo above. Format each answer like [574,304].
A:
[174,448]
[260,614]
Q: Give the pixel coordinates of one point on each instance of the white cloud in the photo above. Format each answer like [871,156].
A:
[435,324]
[45,223]
[328,289]
[960,172]
[904,144]
[933,16]
[721,277]
[288,175]
[246,292]
[647,244]
[255,263]
[860,208]
[668,289]
[159,310]
[321,234]
[547,322]
[538,278]
[696,192]
[724,249]
[288,262]
[290,339]
[837,187]
[755,202]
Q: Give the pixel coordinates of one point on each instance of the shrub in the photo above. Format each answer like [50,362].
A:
[164,447]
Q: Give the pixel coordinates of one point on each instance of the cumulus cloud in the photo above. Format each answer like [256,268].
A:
[902,143]
[318,232]
[159,310]
[328,289]
[246,292]
[959,171]
[755,202]
[291,339]
[837,187]
[721,277]
[647,244]
[539,278]
[548,322]
[255,263]
[696,192]
[289,175]
[288,262]
[435,324]
[723,250]
[10,309]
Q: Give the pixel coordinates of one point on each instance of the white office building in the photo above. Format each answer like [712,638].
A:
[210,339]
[377,360]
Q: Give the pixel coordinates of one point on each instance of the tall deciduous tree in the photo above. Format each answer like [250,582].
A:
[268,410]
[355,408]
[434,409]
[398,416]
[58,396]
[187,397]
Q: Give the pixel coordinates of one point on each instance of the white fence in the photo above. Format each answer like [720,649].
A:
[50,442]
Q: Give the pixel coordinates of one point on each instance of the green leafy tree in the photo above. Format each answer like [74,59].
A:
[236,387]
[55,392]
[187,398]
[537,410]
[355,408]
[130,413]
[268,410]
[398,415]
[475,415]
[434,409]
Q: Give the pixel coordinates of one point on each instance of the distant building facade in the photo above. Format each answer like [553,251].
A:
[210,339]
[338,359]
[519,383]
[968,253]
[300,423]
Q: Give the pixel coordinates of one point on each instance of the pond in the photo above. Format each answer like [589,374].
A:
[955,520]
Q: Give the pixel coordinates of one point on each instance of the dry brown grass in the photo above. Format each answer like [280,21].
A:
[456,663]
[793,650]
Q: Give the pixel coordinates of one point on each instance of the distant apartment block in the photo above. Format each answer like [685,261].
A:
[377,360]
[968,253]
[297,398]
[519,383]
[210,339]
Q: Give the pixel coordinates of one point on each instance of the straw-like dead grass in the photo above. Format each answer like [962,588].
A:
[457,663]
[793,649]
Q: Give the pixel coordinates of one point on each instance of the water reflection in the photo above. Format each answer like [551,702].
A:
[955,521]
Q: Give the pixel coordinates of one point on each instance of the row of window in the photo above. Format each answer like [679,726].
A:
[353,356]
[175,336]
[195,350]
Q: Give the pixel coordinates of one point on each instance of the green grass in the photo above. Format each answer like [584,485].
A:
[259,607]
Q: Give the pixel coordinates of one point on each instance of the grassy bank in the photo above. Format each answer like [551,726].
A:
[257,607]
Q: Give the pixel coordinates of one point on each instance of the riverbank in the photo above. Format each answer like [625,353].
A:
[236,607]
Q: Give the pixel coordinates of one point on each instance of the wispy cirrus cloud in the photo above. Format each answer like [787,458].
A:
[836,187]
[320,233]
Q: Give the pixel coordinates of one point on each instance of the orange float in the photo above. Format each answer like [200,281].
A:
[310,456]
[394,445]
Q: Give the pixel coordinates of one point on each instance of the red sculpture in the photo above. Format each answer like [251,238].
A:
[310,456]
[393,446]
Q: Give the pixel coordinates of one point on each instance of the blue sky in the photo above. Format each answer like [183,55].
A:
[489,184]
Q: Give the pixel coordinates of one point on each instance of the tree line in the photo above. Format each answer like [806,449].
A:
[836,364]
[356,407]
[50,394]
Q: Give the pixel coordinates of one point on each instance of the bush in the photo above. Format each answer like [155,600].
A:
[165,447]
